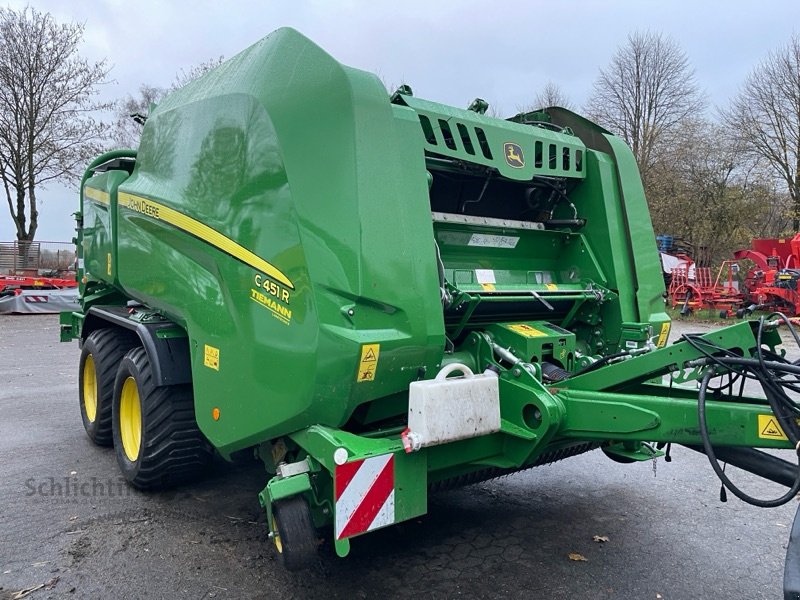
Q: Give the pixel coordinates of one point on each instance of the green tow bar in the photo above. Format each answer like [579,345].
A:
[618,407]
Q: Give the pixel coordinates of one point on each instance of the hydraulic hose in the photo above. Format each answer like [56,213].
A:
[599,363]
[709,450]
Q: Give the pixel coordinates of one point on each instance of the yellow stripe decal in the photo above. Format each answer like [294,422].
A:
[97,195]
[203,232]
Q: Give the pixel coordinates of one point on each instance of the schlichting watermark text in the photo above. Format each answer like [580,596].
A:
[72,488]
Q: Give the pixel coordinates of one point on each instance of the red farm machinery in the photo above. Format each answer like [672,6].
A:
[772,283]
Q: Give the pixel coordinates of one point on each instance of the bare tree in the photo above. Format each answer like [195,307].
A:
[47,92]
[648,88]
[183,77]
[703,191]
[550,95]
[131,112]
[766,113]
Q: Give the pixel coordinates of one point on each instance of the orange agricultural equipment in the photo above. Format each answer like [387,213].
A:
[772,284]
[9,284]
[702,291]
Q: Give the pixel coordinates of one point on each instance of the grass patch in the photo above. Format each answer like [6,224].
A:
[705,315]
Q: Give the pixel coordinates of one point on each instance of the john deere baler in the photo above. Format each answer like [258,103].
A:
[381,295]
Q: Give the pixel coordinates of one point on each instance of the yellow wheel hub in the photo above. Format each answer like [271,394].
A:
[276,539]
[130,419]
[90,389]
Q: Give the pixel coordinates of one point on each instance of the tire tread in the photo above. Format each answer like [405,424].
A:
[107,346]
[174,450]
[298,536]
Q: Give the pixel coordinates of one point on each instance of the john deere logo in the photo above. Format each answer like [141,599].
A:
[514,156]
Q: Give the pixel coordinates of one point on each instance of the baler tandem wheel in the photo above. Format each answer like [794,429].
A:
[156,437]
[100,357]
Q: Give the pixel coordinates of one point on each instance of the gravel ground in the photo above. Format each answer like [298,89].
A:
[668,535]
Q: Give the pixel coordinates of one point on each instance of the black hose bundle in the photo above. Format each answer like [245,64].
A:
[775,374]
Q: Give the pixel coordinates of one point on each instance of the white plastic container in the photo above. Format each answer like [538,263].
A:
[448,409]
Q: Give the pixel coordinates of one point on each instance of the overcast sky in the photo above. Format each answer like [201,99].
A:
[449,52]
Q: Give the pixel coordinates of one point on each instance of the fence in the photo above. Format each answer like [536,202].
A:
[36,258]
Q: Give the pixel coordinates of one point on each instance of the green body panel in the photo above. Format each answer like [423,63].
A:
[470,136]
[223,150]
[647,280]
[99,226]
[322,245]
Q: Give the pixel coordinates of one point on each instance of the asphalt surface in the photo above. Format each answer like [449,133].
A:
[68,522]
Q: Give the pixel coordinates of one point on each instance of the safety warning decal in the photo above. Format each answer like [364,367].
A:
[211,357]
[526,330]
[769,429]
[368,363]
[663,336]
[364,495]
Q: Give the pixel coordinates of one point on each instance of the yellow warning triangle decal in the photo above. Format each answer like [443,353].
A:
[369,356]
[772,429]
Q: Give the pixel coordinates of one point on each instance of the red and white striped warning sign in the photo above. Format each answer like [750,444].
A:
[36,299]
[364,495]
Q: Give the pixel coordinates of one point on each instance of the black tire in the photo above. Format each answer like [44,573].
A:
[297,541]
[170,449]
[101,354]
